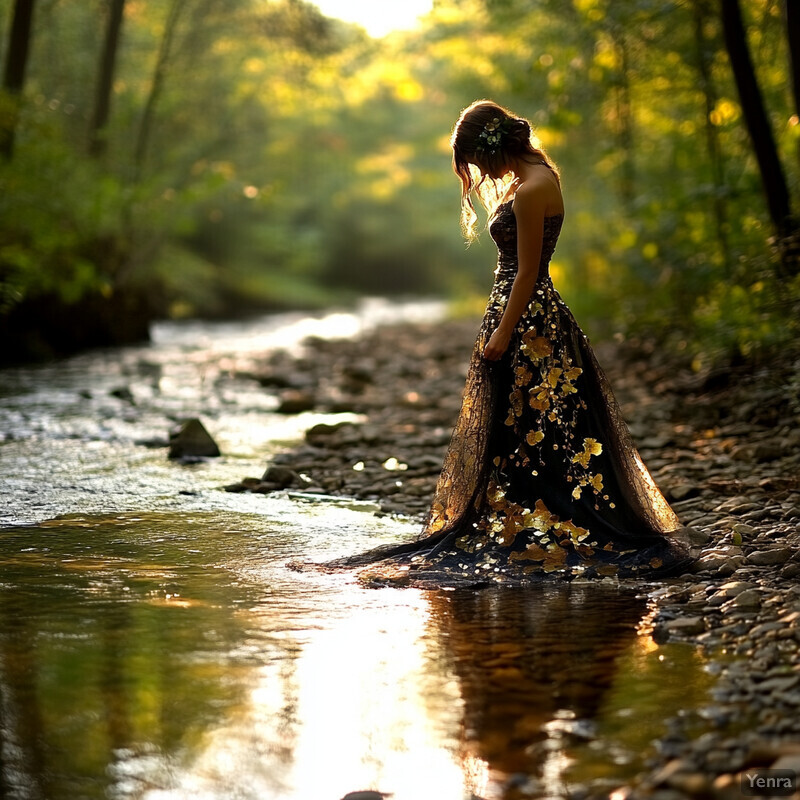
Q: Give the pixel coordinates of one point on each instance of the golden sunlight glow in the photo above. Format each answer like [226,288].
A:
[377,18]
[350,711]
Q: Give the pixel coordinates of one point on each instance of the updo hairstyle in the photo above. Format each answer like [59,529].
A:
[487,139]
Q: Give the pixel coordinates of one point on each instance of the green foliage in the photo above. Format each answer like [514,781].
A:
[292,160]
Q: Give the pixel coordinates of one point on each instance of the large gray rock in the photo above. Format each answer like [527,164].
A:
[766,558]
[190,439]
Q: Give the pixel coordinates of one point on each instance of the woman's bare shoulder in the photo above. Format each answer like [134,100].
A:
[540,189]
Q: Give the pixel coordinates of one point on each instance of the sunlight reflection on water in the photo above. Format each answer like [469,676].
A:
[290,329]
[196,665]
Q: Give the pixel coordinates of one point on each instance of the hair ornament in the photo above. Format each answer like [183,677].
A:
[490,139]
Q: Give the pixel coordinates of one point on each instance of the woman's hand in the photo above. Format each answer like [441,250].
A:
[497,345]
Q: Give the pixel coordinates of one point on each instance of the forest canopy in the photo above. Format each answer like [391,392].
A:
[213,158]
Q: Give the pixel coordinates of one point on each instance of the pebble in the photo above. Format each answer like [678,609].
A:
[744,529]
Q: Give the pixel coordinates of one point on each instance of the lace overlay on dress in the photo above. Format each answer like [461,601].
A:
[541,477]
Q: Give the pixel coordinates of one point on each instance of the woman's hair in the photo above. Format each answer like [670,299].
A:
[486,139]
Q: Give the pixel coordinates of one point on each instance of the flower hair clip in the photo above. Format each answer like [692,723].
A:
[490,139]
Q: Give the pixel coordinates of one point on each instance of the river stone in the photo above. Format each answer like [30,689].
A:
[687,626]
[779,684]
[744,529]
[320,434]
[668,770]
[719,562]
[190,439]
[727,591]
[682,491]
[790,761]
[295,401]
[123,393]
[768,451]
[766,558]
[283,476]
[766,627]
[748,599]
[698,537]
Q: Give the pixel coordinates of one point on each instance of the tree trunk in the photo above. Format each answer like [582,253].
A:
[624,113]
[156,86]
[703,63]
[105,82]
[755,115]
[792,16]
[14,74]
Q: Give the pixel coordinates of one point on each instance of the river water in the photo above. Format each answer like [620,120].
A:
[154,645]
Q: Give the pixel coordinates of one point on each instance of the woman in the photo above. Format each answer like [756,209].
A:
[541,478]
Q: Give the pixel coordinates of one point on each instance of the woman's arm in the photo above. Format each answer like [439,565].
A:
[529,208]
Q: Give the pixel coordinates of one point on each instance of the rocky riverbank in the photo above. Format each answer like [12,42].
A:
[725,448]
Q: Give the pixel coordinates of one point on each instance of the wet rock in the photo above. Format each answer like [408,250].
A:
[296,401]
[190,439]
[332,436]
[727,591]
[748,599]
[686,626]
[766,558]
[283,477]
[726,560]
[698,537]
[790,571]
[123,393]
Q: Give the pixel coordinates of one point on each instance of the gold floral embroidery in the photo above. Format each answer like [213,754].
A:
[591,447]
[523,375]
[534,437]
[535,347]
[539,398]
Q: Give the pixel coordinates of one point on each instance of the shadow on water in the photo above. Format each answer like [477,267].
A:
[165,656]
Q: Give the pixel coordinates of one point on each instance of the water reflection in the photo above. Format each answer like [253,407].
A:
[533,667]
[173,656]
[103,655]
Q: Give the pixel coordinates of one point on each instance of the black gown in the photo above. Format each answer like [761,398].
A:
[541,478]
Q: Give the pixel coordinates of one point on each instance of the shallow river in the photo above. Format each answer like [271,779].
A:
[154,645]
